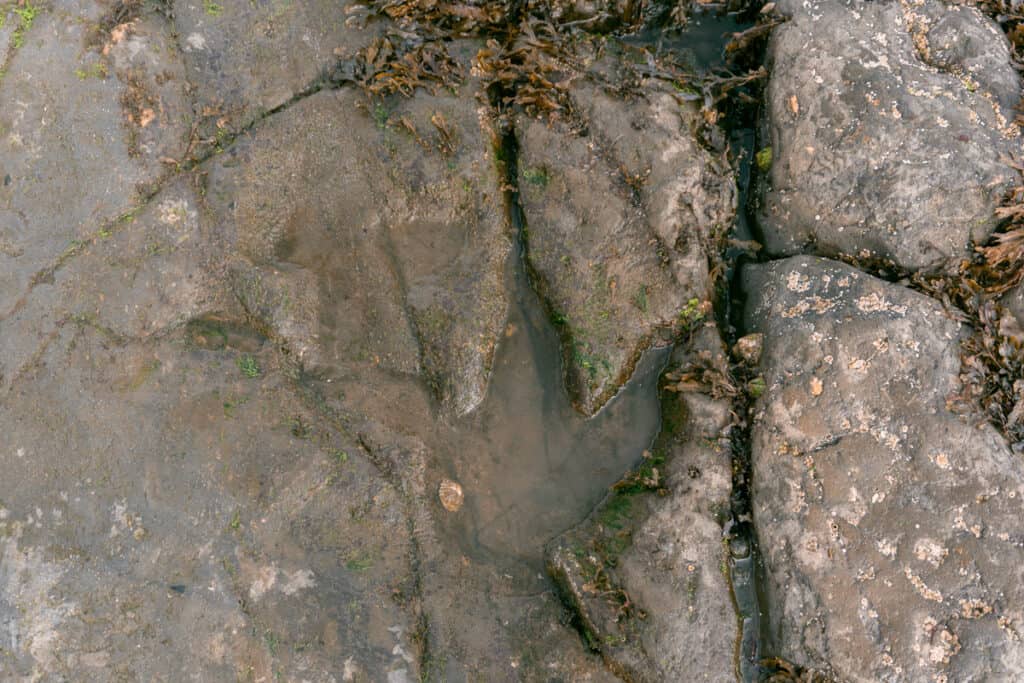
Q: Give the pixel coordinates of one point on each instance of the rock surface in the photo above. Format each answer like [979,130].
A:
[889,526]
[373,238]
[889,128]
[620,221]
[245,58]
[72,113]
[262,298]
[248,319]
[654,548]
[163,515]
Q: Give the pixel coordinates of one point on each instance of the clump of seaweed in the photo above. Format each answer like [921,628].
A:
[395,63]
[458,19]
[533,71]
[119,14]
[991,357]
[992,371]
[779,670]
[1002,263]
[708,373]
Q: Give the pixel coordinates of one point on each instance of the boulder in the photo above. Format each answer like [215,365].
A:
[889,526]
[890,127]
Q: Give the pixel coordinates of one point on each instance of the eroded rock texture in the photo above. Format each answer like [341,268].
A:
[889,526]
[621,222]
[661,554]
[248,318]
[373,238]
[247,58]
[890,128]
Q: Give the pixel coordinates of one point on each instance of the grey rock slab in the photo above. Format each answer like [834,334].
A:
[71,159]
[889,127]
[142,53]
[142,277]
[675,566]
[889,527]
[161,517]
[246,58]
[619,222]
[365,241]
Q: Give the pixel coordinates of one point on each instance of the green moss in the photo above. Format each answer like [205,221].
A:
[359,562]
[248,365]
[764,159]
[691,313]
[686,89]
[381,116]
[646,477]
[640,298]
[27,15]
[97,70]
[615,513]
[536,176]
[212,8]
[299,428]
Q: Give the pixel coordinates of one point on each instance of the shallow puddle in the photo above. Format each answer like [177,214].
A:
[531,466]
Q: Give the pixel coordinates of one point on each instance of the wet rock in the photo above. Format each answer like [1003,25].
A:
[72,159]
[889,526]
[620,221]
[372,235]
[136,45]
[159,265]
[246,58]
[595,15]
[889,127]
[146,275]
[646,574]
[159,517]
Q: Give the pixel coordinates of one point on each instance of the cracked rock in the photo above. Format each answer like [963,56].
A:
[370,238]
[620,221]
[661,553]
[246,58]
[890,528]
[72,158]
